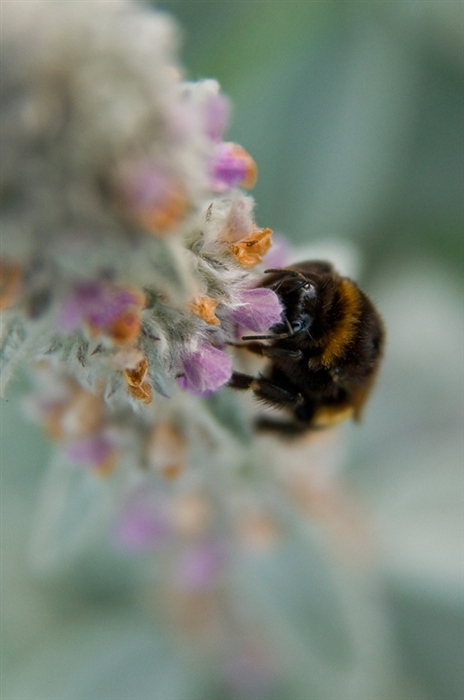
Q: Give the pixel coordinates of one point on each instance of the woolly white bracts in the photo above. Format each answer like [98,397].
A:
[127,248]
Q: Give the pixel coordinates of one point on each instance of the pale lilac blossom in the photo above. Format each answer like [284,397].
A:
[200,565]
[95,302]
[89,450]
[141,525]
[257,310]
[216,111]
[231,167]
[148,185]
[205,370]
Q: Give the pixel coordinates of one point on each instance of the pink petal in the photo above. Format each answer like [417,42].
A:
[147,185]
[259,309]
[217,110]
[200,566]
[232,166]
[205,370]
[90,451]
[95,302]
[141,526]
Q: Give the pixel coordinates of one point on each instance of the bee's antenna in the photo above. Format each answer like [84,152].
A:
[259,337]
[284,271]
[290,273]
[274,336]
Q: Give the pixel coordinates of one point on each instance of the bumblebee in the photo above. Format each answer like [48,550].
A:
[324,353]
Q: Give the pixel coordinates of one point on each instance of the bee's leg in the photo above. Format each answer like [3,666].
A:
[302,421]
[285,428]
[265,389]
[239,380]
[282,353]
[274,394]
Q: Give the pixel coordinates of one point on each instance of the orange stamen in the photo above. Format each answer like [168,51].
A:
[249,252]
[251,168]
[167,450]
[126,329]
[142,392]
[106,467]
[10,283]
[160,220]
[136,384]
[204,307]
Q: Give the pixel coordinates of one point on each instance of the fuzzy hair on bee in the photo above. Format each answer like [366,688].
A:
[323,354]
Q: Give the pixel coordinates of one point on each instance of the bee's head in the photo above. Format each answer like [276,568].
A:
[298,292]
[304,290]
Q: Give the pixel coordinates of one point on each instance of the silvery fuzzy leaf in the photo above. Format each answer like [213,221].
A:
[73,512]
[332,641]
[11,355]
[102,655]
[18,343]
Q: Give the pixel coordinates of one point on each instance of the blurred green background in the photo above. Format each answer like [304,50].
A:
[353,112]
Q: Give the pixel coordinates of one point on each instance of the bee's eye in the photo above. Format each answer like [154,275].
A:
[309,289]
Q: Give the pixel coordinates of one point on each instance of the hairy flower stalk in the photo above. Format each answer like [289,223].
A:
[130,263]
[120,260]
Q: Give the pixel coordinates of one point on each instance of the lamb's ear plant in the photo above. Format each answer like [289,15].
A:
[130,262]
[130,250]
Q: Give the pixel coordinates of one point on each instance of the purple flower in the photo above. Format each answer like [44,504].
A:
[148,185]
[155,197]
[232,166]
[141,526]
[97,303]
[90,451]
[258,309]
[216,111]
[205,370]
[200,565]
